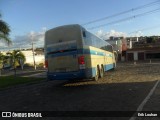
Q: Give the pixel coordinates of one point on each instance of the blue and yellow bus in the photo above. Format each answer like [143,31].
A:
[72,52]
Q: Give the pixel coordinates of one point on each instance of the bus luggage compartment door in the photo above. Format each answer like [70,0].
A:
[63,62]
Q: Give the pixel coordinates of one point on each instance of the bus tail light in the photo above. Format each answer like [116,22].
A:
[46,64]
[81,60]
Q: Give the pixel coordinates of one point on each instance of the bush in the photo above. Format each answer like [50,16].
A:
[40,64]
[28,65]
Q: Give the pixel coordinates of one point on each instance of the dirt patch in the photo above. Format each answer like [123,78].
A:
[126,73]
[121,90]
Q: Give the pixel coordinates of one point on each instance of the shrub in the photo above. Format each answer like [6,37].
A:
[40,64]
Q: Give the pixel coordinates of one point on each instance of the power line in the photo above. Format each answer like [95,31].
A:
[124,12]
[143,29]
[148,28]
[125,19]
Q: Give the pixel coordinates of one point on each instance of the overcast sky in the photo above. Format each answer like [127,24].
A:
[34,17]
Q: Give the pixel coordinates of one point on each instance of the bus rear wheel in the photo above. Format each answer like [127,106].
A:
[97,75]
[101,75]
[114,66]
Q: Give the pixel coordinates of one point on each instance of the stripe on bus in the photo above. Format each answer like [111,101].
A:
[80,51]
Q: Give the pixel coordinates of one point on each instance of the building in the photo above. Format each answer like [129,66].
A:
[136,48]
[146,53]
[146,48]
[39,56]
[120,45]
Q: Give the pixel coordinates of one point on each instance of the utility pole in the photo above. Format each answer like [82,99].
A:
[34,63]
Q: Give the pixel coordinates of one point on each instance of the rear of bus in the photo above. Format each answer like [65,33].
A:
[62,56]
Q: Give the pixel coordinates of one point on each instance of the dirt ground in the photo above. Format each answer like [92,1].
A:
[122,89]
[127,72]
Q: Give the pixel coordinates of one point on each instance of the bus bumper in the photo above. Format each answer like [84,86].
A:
[66,75]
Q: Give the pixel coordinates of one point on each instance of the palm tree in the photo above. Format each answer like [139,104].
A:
[1,62]
[22,59]
[16,57]
[4,31]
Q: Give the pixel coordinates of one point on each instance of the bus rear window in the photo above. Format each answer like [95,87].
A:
[63,34]
[62,46]
[84,34]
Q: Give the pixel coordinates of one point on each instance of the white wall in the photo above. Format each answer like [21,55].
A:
[38,59]
[29,57]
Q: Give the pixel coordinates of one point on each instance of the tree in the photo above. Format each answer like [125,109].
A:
[4,31]
[4,35]
[22,59]
[149,40]
[3,59]
[154,39]
[15,57]
[1,62]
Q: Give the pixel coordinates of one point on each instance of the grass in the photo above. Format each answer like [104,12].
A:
[8,81]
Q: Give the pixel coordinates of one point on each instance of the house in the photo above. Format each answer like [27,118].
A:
[120,45]
[39,56]
[145,48]
[136,48]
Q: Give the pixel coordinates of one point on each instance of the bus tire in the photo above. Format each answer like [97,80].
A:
[95,78]
[114,66]
[101,75]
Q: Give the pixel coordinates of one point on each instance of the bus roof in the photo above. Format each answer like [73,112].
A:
[76,25]
[63,26]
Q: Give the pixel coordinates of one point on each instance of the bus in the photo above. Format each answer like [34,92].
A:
[72,52]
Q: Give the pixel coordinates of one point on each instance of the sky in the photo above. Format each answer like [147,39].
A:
[28,18]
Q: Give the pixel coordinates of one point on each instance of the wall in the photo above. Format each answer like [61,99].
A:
[29,57]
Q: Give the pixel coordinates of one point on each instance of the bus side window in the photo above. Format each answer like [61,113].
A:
[106,47]
[109,48]
[84,34]
[112,49]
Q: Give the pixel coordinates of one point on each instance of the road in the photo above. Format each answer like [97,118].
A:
[65,96]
